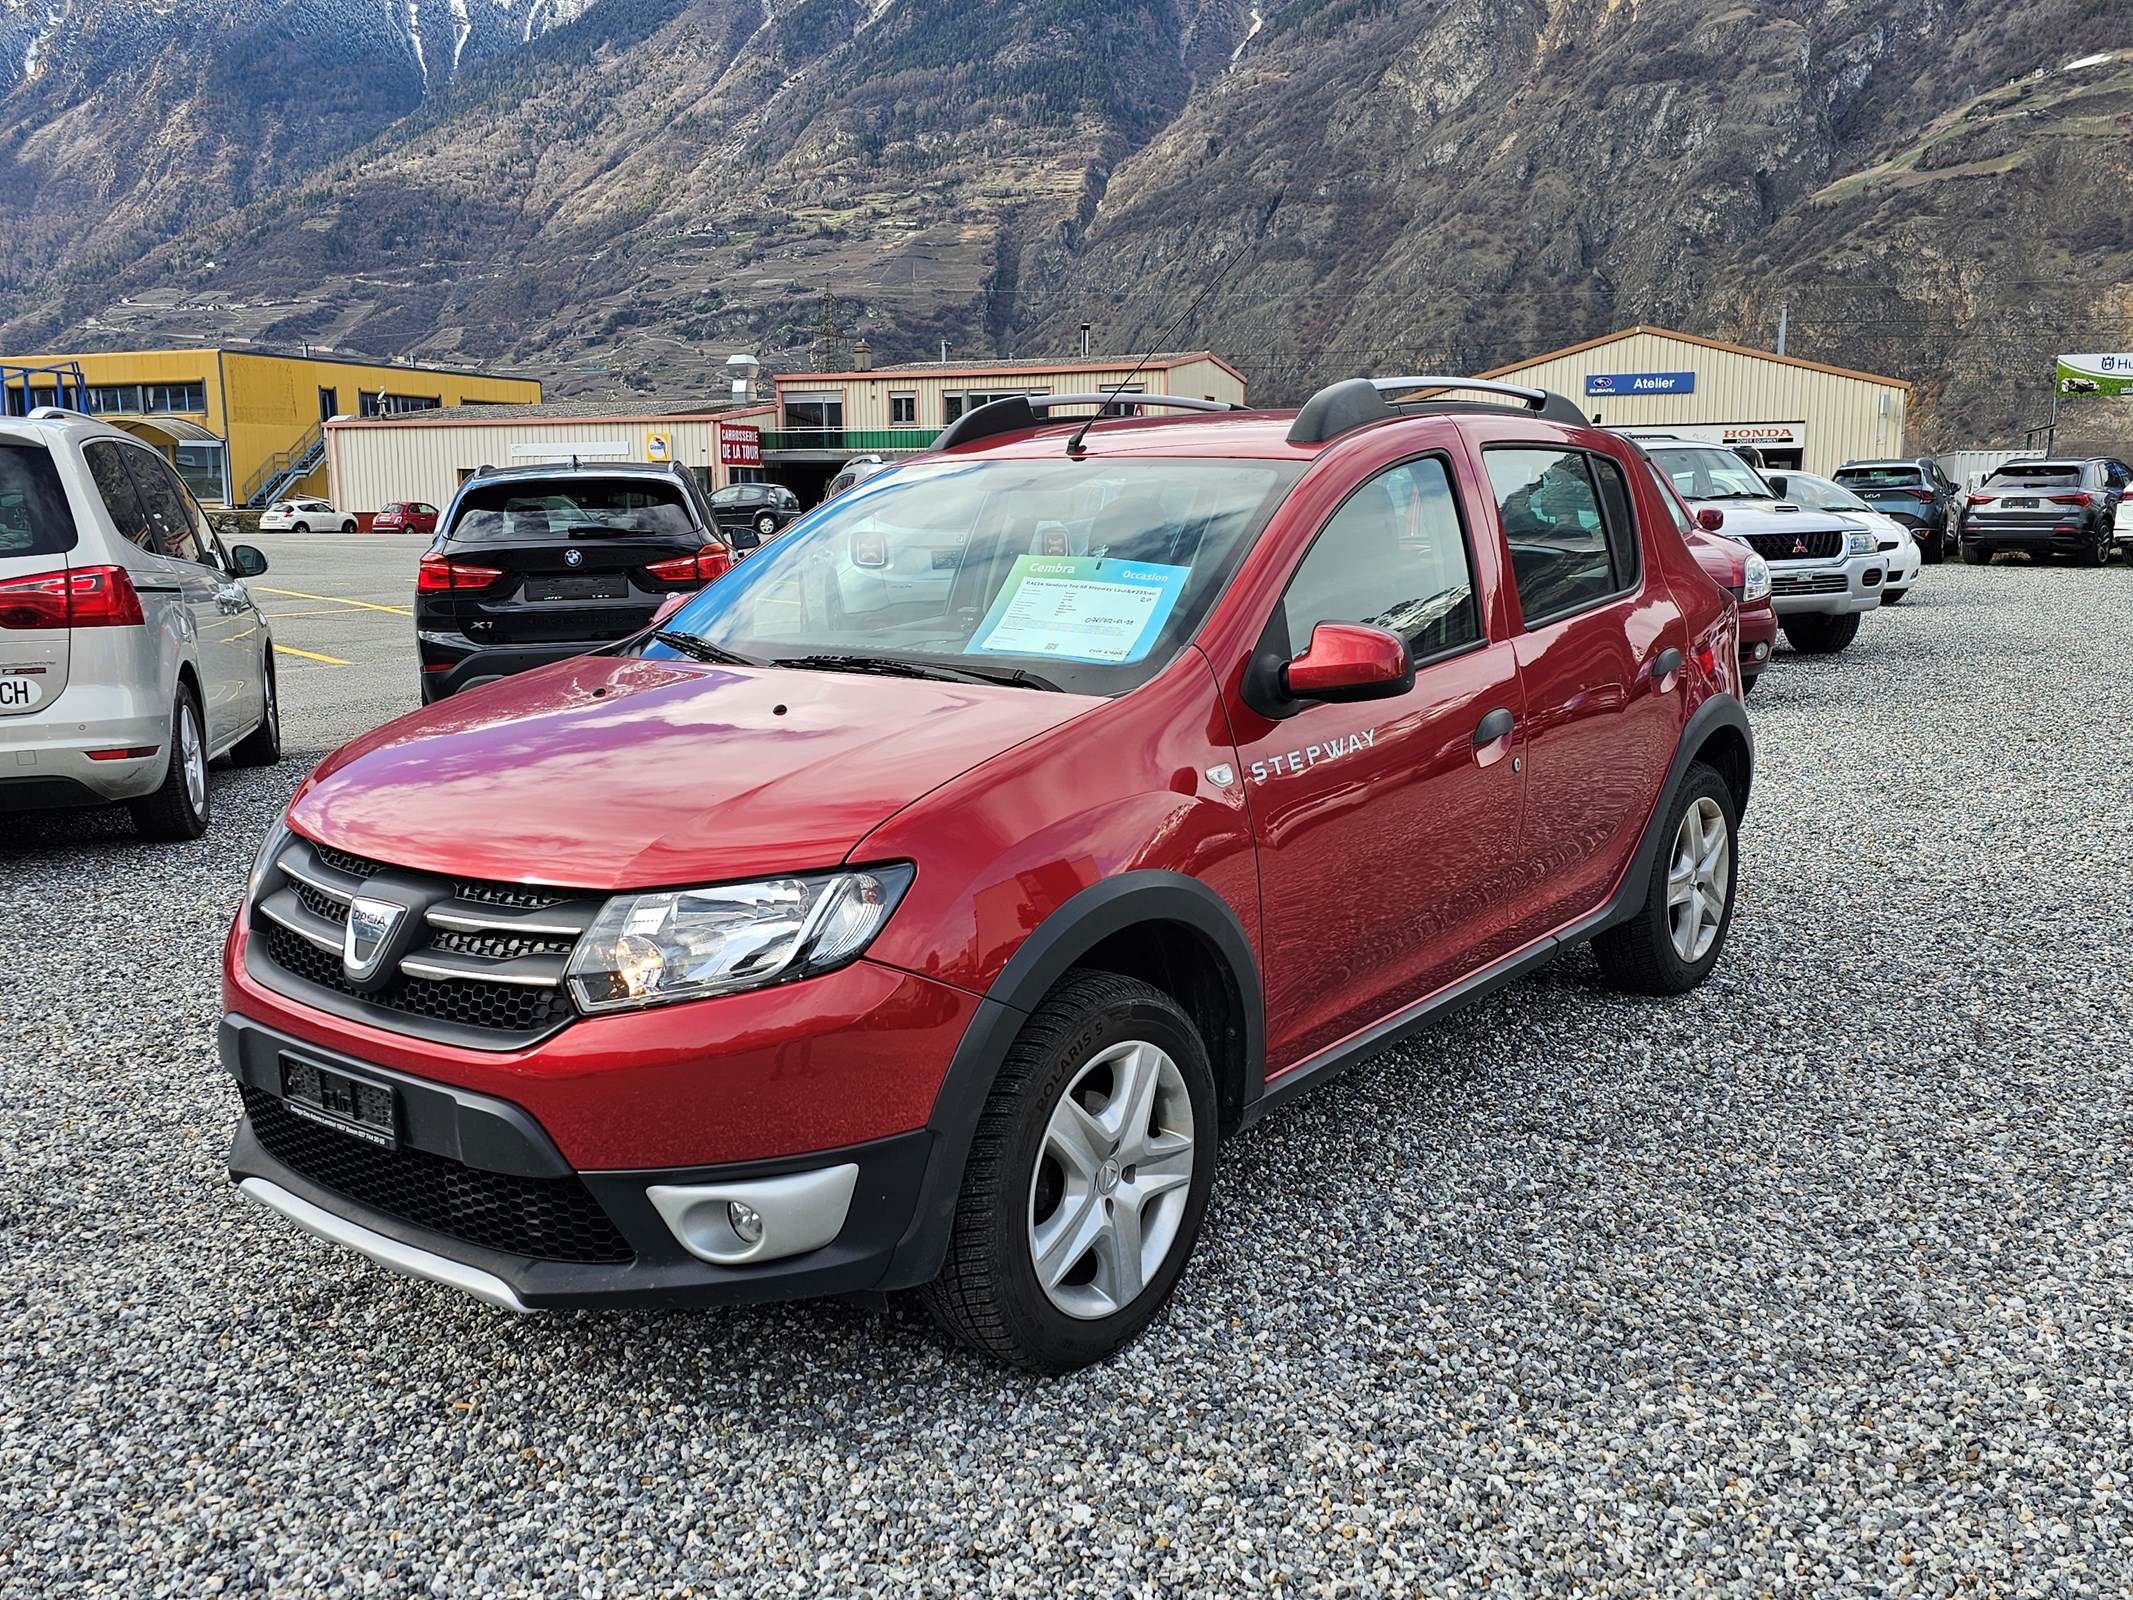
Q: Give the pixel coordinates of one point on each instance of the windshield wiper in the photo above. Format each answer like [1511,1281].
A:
[901,667]
[703,649]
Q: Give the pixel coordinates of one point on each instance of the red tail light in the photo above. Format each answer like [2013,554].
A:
[2073,500]
[1981,499]
[84,597]
[711,562]
[435,572]
[1921,494]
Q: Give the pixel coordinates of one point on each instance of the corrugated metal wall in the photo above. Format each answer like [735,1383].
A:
[371,463]
[1845,418]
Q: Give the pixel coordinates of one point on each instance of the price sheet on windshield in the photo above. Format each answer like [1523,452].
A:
[1080,608]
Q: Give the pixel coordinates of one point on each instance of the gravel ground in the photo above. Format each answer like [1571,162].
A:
[1814,1282]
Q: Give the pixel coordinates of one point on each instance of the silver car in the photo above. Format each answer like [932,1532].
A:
[130,653]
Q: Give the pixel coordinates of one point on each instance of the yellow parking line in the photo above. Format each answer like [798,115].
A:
[298,594]
[311,655]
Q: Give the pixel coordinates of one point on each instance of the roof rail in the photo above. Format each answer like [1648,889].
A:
[1019,411]
[1356,402]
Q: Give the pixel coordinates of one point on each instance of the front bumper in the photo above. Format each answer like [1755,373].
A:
[472,1164]
[1828,588]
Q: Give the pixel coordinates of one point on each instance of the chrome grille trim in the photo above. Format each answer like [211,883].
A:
[534,972]
[283,907]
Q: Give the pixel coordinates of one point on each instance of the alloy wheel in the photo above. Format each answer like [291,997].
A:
[192,754]
[1696,885]
[1113,1180]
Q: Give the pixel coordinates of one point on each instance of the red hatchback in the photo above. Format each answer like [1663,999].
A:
[923,902]
[405,516]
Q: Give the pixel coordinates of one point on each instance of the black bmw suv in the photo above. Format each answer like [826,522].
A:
[537,564]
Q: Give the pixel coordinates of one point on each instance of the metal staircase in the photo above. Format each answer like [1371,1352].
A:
[62,385]
[284,467]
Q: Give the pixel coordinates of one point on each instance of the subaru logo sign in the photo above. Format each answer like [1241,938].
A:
[572,558]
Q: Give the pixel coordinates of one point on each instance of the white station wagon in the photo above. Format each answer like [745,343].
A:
[130,653]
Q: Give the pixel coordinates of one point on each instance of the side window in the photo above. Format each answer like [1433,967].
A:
[114,485]
[169,507]
[1395,556]
[1567,553]
[1667,498]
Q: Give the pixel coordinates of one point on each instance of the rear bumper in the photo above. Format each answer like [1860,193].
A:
[45,762]
[2057,538]
[498,1157]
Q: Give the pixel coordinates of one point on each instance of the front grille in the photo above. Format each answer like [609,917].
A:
[492,1007]
[302,915]
[1816,544]
[1825,583]
[548,1219]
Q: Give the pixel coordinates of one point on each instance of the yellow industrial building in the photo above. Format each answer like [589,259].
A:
[244,426]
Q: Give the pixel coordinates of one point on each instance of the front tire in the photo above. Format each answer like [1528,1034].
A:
[1675,938]
[1819,634]
[349,526]
[262,746]
[179,809]
[1087,1180]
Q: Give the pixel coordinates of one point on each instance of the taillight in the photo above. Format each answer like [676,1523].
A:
[1981,499]
[83,597]
[712,561]
[2073,500]
[1925,495]
[436,572]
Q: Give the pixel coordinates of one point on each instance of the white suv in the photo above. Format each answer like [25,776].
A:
[130,653]
[303,514]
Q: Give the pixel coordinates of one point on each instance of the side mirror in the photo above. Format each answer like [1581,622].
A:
[247,560]
[1350,661]
[1710,518]
[1779,483]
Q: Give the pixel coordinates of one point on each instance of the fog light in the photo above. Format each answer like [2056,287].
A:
[747,1222]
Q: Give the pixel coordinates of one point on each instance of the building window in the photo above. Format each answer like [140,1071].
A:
[903,410]
[143,399]
[394,405]
[366,403]
[814,413]
[955,403]
[200,465]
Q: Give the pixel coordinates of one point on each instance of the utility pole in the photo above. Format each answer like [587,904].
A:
[830,337]
[1784,318]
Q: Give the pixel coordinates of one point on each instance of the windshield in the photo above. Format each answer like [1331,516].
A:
[500,513]
[1088,574]
[1819,494]
[1705,472]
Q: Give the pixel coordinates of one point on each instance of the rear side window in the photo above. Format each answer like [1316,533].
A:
[530,510]
[114,485]
[1395,556]
[35,519]
[169,508]
[1566,518]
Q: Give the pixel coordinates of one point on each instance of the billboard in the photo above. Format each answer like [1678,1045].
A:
[740,444]
[2106,373]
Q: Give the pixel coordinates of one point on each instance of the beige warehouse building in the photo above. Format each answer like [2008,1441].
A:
[1800,414]
[426,457]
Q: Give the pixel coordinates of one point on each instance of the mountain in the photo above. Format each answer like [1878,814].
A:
[619,194]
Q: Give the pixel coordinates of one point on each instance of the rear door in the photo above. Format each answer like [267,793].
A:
[1602,721]
[1387,829]
[39,545]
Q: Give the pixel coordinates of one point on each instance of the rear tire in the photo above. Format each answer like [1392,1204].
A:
[766,526]
[1977,555]
[1095,1153]
[179,809]
[300,527]
[262,746]
[1934,550]
[1674,940]
[1819,634]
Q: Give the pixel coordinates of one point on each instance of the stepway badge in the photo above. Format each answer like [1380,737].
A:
[1616,383]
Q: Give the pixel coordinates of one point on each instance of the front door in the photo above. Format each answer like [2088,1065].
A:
[225,632]
[1602,718]
[1385,828]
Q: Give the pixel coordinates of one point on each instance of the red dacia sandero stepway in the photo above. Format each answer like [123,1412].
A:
[920,905]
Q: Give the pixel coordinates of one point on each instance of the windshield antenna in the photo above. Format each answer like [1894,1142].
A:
[1074,445]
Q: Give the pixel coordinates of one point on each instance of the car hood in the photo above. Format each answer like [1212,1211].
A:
[618,773]
[1768,516]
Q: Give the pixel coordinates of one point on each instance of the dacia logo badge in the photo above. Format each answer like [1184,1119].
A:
[370,929]
[572,558]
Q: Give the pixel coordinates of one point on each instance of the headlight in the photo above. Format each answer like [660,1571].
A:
[1862,542]
[269,848]
[1755,579]
[686,944]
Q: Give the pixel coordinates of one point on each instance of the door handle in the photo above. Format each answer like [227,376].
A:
[1496,725]
[1667,664]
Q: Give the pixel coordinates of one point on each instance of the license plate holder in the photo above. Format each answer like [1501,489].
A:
[577,586]
[2024,504]
[361,1107]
